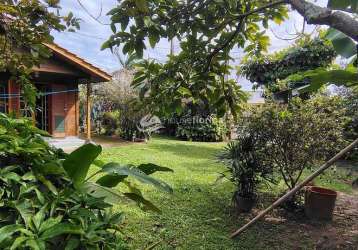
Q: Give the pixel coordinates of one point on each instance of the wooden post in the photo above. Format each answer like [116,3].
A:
[298,187]
[88,111]
[33,117]
[172,47]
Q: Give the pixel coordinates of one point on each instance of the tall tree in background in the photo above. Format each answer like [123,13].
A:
[210,29]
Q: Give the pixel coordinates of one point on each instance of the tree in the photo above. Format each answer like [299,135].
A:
[295,136]
[270,70]
[127,62]
[208,29]
[25,27]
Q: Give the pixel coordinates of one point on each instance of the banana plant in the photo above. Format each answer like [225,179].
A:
[78,163]
[344,46]
[319,77]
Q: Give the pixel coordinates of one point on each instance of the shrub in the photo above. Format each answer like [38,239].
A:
[131,114]
[350,102]
[246,164]
[295,136]
[198,128]
[47,200]
[111,123]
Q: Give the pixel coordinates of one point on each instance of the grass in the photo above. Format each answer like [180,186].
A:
[198,215]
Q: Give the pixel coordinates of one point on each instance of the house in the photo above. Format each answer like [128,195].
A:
[57,79]
[255,97]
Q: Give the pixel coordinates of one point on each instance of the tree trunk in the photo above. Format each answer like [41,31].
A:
[315,14]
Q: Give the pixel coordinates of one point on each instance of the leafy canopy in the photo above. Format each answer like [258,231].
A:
[207,31]
[305,55]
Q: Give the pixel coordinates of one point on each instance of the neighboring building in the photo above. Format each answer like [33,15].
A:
[57,109]
[255,98]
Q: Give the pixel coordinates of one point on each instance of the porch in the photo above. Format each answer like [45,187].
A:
[57,105]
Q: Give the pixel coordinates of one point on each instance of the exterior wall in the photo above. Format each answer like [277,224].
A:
[63,115]
[72,120]
[14,102]
[57,108]
[64,119]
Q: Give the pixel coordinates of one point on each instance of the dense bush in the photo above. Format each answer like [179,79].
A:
[198,128]
[47,200]
[305,55]
[111,123]
[296,136]
[350,102]
[131,114]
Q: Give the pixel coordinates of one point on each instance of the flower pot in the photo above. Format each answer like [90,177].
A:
[244,204]
[319,203]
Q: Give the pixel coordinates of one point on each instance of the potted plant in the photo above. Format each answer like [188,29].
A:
[243,160]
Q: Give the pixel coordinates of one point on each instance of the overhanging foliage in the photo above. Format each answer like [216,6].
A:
[305,55]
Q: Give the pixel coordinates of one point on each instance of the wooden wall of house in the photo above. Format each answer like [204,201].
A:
[14,101]
[63,110]
[72,118]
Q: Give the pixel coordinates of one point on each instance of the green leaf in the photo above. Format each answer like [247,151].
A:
[153,39]
[111,180]
[113,27]
[18,242]
[124,22]
[72,244]
[47,183]
[341,43]
[142,5]
[40,196]
[184,91]
[36,244]
[340,4]
[106,45]
[53,167]
[7,231]
[61,228]
[50,223]
[116,169]
[98,163]
[320,77]
[109,195]
[39,217]
[24,209]
[78,162]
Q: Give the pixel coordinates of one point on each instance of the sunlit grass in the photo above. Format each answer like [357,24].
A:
[198,215]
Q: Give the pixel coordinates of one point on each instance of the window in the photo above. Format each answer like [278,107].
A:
[3,98]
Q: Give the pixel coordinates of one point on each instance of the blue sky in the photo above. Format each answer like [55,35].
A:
[87,42]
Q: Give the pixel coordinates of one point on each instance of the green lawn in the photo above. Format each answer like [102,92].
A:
[198,215]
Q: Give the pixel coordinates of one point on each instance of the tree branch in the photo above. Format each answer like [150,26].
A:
[223,46]
[315,14]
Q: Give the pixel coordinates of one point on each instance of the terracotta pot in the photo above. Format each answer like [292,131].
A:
[320,203]
[244,204]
